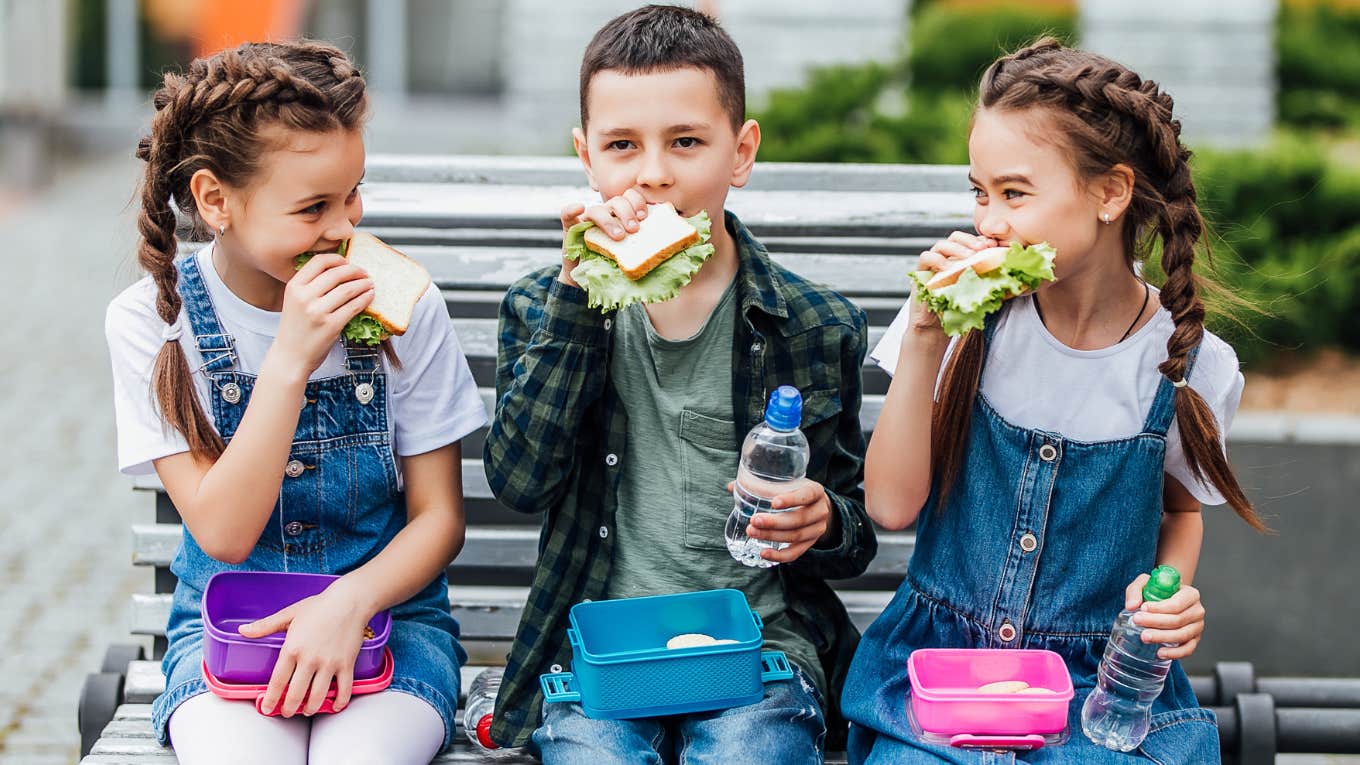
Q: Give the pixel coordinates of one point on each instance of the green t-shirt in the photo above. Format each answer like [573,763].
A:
[682,451]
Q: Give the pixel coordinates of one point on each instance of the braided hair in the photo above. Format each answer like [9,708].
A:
[1108,115]
[211,118]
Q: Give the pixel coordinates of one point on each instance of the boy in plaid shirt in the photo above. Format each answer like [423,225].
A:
[624,427]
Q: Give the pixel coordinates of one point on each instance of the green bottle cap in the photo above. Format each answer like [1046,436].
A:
[1162,583]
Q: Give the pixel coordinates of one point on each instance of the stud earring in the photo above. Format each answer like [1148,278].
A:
[222,229]
[1105,217]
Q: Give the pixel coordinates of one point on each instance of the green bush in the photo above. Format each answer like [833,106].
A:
[951,47]
[1319,66]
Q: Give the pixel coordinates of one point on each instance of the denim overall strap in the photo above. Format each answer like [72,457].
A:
[214,344]
[361,358]
[1163,409]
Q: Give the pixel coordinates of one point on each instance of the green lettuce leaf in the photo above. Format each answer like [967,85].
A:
[965,304]
[362,329]
[608,289]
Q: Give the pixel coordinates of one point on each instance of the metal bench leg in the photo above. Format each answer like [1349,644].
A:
[103,692]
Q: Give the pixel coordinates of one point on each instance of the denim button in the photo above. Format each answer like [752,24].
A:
[363,392]
[611,459]
[294,468]
[757,347]
[1006,633]
[293,529]
[604,532]
[1028,542]
[608,324]
[231,393]
[1048,453]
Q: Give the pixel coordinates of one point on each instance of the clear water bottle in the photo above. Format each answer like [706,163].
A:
[774,459]
[1117,712]
[481,702]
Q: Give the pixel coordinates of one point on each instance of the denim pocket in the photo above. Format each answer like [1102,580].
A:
[1182,736]
[708,459]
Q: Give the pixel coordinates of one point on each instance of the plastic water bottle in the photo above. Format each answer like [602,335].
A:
[1117,712]
[774,459]
[481,702]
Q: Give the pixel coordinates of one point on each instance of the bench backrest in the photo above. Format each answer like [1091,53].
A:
[479,223]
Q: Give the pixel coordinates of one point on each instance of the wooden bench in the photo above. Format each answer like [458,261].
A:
[478,224]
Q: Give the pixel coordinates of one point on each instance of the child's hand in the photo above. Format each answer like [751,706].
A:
[617,217]
[803,525]
[317,303]
[325,633]
[959,245]
[1178,620]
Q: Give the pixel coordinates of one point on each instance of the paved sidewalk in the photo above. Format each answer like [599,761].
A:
[65,576]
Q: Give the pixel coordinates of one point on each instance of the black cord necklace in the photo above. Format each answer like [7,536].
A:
[1147,293]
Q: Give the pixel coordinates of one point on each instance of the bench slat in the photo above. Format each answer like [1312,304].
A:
[566,171]
[485,613]
[492,547]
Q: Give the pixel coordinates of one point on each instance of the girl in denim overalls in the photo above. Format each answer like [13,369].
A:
[283,448]
[1052,474]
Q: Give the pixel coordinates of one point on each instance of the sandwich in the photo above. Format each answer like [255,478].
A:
[647,266]
[970,289]
[398,284]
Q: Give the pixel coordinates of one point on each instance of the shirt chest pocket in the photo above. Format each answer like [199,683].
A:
[708,461]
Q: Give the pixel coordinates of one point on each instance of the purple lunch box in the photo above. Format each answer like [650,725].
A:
[233,598]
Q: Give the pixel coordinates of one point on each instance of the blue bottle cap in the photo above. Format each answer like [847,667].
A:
[785,410]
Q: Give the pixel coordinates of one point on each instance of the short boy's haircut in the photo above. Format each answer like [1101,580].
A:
[667,37]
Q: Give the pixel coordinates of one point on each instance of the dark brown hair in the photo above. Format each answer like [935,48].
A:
[1107,115]
[211,118]
[662,38]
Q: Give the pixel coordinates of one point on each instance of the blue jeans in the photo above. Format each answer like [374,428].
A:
[787,727]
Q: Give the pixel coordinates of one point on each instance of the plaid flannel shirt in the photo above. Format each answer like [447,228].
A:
[558,432]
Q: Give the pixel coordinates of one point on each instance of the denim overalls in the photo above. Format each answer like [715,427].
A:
[1039,538]
[338,507]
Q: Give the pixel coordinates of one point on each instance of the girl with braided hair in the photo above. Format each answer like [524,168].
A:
[283,448]
[1072,441]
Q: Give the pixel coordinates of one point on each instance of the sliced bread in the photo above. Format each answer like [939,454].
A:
[398,281]
[660,235]
[982,262]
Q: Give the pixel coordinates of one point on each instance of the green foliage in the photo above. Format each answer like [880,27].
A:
[1319,66]
[951,47]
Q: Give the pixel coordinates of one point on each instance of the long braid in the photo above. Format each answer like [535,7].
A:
[210,118]
[1110,116]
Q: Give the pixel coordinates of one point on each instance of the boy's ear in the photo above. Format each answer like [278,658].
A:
[1114,190]
[210,197]
[578,140]
[744,158]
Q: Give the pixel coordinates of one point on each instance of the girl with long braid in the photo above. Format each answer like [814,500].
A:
[283,448]
[1070,443]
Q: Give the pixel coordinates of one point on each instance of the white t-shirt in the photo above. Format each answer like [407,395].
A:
[432,399]
[1035,382]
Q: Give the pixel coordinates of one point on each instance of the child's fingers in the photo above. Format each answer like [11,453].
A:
[931,261]
[1178,651]
[603,216]
[807,494]
[344,685]
[637,200]
[787,555]
[1133,594]
[318,264]
[353,307]
[275,622]
[333,277]
[1183,600]
[298,686]
[623,210]
[571,214]
[1159,621]
[972,241]
[1181,635]
[337,298]
[952,250]
[316,695]
[278,681]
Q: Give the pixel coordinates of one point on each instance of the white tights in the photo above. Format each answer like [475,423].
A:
[385,727]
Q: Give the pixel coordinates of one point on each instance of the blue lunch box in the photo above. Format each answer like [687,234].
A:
[622,669]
